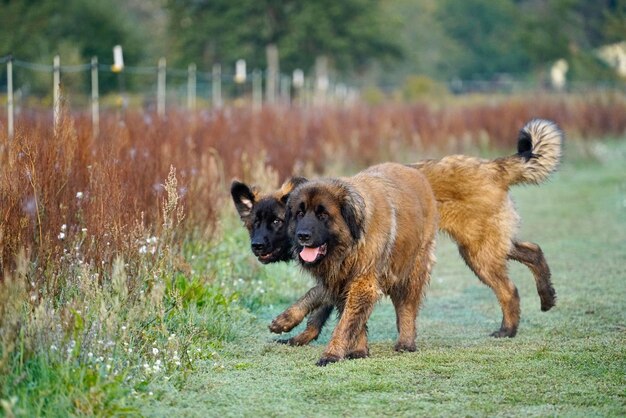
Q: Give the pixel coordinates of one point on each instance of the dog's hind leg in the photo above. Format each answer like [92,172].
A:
[530,254]
[407,300]
[314,325]
[491,270]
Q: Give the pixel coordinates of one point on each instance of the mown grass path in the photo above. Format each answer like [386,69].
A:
[570,361]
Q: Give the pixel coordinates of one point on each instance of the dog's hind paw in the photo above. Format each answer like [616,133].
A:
[504,333]
[327,360]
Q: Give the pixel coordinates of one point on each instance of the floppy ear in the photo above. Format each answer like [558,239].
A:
[243,198]
[353,213]
[288,186]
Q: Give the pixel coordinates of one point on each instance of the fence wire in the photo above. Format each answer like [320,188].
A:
[154,87]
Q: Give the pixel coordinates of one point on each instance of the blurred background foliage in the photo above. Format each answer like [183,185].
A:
[373,42]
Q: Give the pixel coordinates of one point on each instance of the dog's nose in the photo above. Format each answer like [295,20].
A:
[257,246]
[304,236]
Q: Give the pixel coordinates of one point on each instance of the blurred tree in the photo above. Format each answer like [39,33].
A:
[615,24]
[36,30]
[485,32]
[426,45]
[442,39]
[351,33]
[573,30]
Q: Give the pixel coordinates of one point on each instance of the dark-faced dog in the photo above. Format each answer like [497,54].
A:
[264,217]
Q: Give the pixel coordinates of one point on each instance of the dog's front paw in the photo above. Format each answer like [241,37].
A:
[284,322]
[327,359]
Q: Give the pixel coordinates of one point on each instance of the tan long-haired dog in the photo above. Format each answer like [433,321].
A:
[476,211]
[362,237]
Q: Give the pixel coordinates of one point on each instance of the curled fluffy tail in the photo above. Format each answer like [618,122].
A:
[538,155]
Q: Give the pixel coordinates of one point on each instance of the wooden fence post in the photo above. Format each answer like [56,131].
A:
[257,90]
[321,80]
[272,73]
[161,73]
[217,86]
[191,87]
[298,85]
[56,91]
[95,98]
[10,126]
[285,89]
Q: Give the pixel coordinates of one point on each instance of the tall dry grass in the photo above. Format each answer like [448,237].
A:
[65,188]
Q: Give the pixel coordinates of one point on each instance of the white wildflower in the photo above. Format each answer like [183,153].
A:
[61,236]
[155,351]
[79,195]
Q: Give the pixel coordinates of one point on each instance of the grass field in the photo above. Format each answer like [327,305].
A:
[570,361]
[127,287]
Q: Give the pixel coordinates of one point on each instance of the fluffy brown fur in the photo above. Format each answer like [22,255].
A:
[476,211]
[363,237]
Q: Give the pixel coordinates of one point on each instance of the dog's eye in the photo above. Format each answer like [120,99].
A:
[323,216]
[299,214]
[277,222]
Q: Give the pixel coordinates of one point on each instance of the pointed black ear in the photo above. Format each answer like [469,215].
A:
[243,198]
[353,213]
[288,186]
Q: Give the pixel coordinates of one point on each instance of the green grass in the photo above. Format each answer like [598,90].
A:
[197,344]
[570,361]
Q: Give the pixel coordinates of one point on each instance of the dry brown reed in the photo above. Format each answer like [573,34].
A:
[65,191]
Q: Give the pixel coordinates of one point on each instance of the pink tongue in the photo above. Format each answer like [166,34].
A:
[309,254]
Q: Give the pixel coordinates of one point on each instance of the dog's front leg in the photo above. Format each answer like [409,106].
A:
[291,317]
[350,331]
[314,325]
